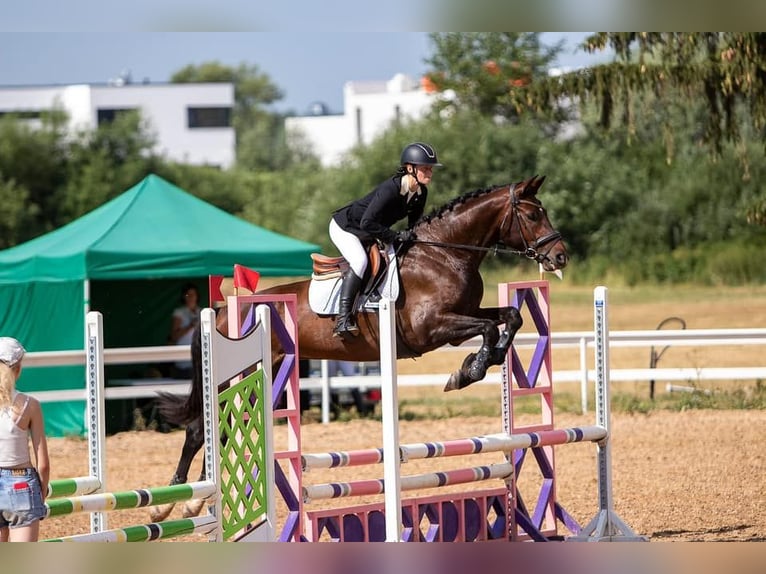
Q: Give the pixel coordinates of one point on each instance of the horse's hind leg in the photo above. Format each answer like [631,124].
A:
[192,445]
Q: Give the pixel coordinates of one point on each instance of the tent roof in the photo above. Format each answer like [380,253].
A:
[154,230]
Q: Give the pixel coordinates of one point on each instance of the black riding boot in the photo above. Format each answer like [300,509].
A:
[346,321]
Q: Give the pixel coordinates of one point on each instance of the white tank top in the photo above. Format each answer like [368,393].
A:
[14,442]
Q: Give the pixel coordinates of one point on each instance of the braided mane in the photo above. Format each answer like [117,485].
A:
[439,212]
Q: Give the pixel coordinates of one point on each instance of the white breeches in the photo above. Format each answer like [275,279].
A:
[350,247]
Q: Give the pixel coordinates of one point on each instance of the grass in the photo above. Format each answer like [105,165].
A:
[485,402]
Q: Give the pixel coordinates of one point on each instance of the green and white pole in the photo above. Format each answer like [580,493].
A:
[139,498]
[148,532]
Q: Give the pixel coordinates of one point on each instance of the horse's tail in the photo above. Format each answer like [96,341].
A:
[177,410]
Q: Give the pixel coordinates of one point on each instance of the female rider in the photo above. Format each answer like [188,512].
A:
[370,218]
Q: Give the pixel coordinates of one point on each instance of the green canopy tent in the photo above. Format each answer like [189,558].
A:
[128,259]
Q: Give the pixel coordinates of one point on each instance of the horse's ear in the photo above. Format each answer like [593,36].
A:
[537,182]
[530,186]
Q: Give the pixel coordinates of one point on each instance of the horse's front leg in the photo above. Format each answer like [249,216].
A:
[493,350]
[513,322]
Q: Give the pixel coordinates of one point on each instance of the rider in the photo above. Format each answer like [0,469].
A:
[371,217]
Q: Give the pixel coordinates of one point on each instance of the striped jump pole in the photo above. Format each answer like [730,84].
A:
[73,486]
[107,501]
[411,482]
[499,442]
[149,532]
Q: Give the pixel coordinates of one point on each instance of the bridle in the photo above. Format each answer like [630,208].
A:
[531,249]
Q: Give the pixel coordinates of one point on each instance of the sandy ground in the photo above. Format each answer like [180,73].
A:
[685,476]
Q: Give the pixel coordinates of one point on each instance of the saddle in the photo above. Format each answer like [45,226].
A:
[325,268]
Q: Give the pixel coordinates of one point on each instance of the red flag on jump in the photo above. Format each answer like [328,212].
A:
[244,277]
[214,288]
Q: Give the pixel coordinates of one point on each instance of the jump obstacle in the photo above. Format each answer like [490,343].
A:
[497,513]
[238,485]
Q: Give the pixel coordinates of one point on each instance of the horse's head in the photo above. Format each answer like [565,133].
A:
[526,227]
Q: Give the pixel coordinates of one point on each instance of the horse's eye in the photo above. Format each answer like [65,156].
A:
[534,215]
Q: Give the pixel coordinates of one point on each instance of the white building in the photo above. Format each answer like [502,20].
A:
[190,122]
[368,109]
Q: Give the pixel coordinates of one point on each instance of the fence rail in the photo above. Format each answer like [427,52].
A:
[562,340]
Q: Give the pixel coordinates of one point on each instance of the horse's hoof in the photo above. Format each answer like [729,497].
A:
[453,384]
[160,512]
[193,507]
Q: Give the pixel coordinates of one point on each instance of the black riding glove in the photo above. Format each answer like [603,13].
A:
[406,236]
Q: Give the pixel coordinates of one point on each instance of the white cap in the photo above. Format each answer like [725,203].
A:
[11,351]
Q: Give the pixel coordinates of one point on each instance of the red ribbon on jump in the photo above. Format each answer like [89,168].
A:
[244,277]
[214,288]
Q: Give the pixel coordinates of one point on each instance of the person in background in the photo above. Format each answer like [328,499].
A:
[23,486]
[185,319]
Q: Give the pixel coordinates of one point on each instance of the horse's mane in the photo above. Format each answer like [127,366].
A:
[439,212]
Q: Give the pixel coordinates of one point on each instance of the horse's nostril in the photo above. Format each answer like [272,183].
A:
[562,259]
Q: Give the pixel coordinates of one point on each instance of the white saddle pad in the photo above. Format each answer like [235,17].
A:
[324,295]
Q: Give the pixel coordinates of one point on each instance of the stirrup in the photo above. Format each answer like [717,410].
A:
[345,325]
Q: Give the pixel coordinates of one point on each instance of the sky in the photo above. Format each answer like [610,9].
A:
[308,66]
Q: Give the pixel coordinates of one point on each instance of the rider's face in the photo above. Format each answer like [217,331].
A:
[423,173]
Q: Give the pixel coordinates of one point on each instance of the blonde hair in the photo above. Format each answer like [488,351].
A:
[7,384]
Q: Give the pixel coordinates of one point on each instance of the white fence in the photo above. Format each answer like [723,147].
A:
[582,340]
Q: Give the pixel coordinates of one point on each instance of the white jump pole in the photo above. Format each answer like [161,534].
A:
[606,525]
[390,413]
[96,403]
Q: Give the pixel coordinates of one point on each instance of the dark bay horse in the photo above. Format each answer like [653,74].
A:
[439,301]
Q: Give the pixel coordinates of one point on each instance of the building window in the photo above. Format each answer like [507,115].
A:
[219,117]
[108,115]
[22,114]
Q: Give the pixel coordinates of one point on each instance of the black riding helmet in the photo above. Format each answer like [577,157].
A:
[419,153]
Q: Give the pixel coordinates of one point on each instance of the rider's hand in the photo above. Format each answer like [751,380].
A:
[406,236]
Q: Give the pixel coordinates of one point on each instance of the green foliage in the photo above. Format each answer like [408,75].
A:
[640,202]
[721,74]
[18,212]
[32,166]
[481,67]
[102,163]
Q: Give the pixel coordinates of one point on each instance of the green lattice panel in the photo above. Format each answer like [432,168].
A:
[243,452]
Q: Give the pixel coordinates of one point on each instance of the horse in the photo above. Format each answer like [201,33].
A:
[439,301]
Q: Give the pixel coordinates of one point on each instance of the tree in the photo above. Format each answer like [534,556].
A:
[104,162]
[260,134]
[481,67]
[18,212]
[725,70]
[32,169]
